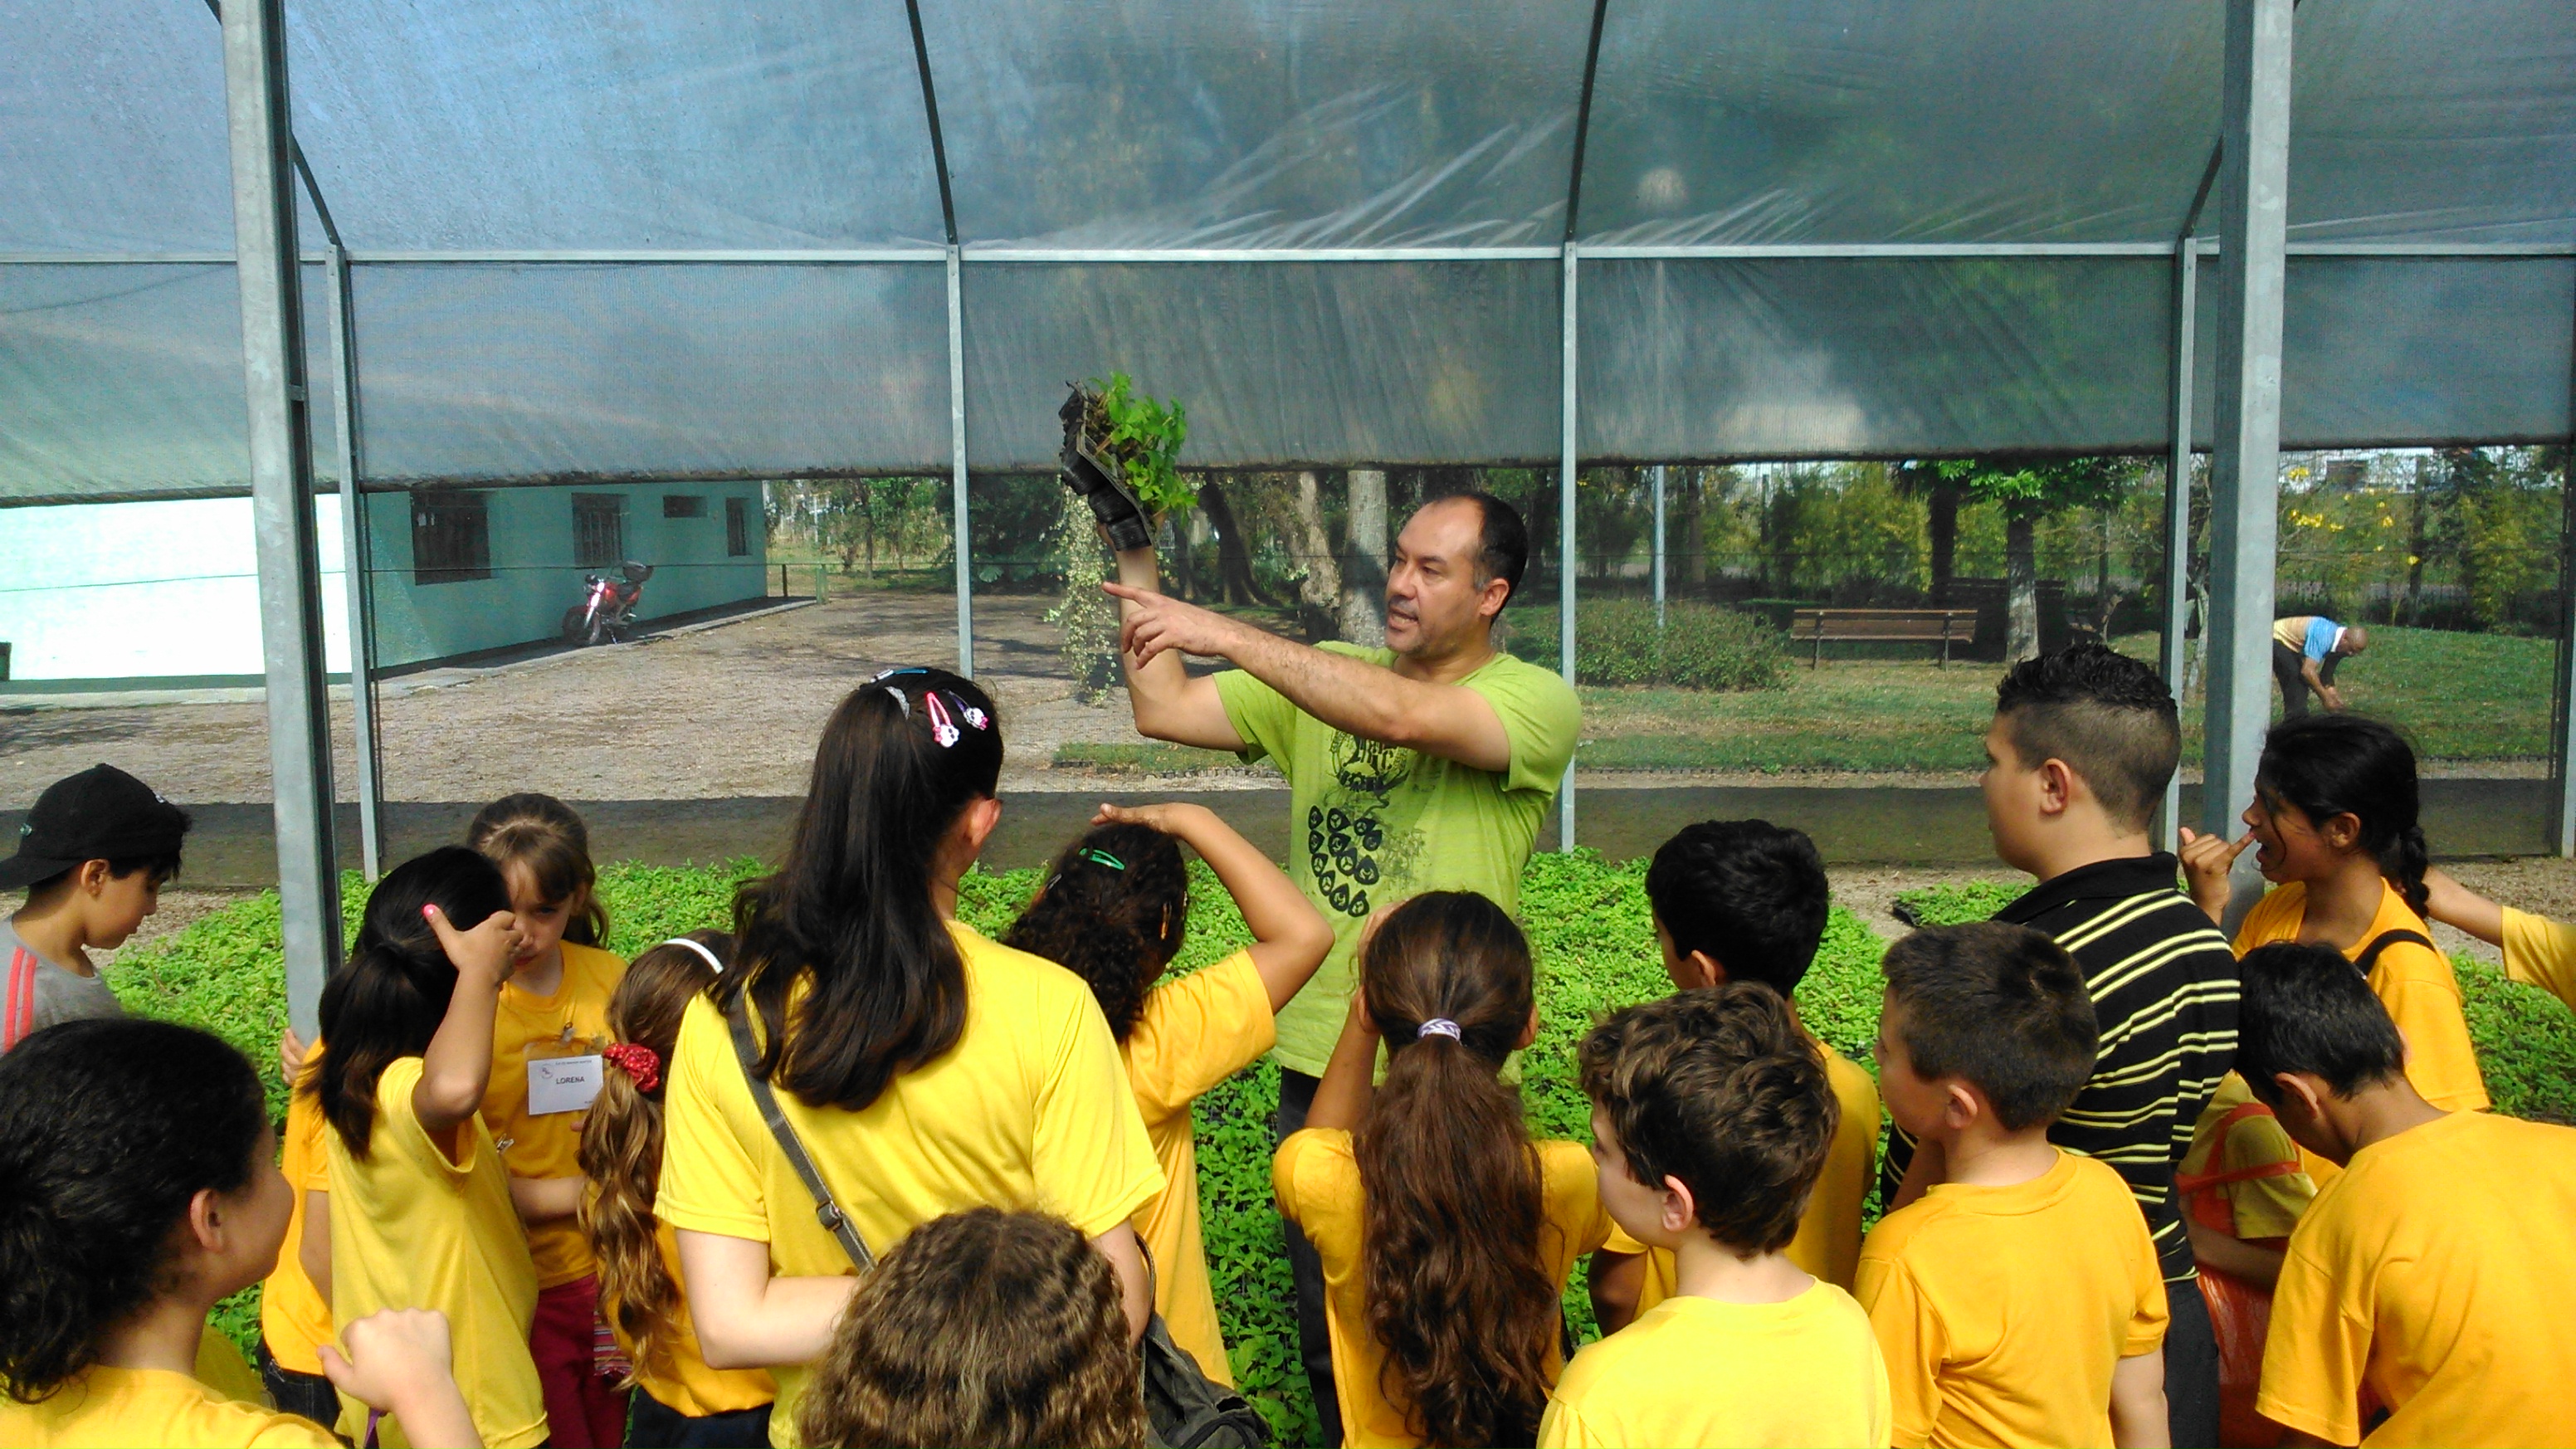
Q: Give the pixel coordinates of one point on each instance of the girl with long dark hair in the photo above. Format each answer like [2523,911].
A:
[683,1402]
[924,1068]
[418,1213]
[2335,822]
[1113,910]
[1445,1231]
[138,1188]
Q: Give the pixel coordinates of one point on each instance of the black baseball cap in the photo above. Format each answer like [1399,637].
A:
[102,813]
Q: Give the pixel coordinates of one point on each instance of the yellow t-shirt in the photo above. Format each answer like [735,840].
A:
[2436,1270]
[116,1408]
[412,1229]
[1318,1181]
[572,1022]
[2003,1310]
[221,1367]
[1698,1371]
[680,1377]
[1193,1034]
[1030,1109]
[2261,1207]
[2414,982]
[1828,1241]
[2540,952]
[293,1319]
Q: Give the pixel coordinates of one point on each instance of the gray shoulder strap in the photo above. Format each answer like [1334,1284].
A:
[826,1211]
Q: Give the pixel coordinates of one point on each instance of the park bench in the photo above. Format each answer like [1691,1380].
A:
[1818,627]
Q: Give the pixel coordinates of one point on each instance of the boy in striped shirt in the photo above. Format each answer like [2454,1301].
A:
[2082,744]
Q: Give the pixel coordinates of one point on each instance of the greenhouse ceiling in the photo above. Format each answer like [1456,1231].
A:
[658,239]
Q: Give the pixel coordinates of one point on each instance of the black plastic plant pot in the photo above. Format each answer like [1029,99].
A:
[1100,481]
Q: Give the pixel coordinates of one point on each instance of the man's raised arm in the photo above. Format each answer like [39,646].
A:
[1352,695]
[1169,705]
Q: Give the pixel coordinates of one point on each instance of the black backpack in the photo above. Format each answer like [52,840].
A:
[1184,1408]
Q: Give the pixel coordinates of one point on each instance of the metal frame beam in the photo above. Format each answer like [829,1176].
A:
[2253,208]
[2562,736]
[1569,371]
[357,577]
[2173,655]
[958,517]
[281,469]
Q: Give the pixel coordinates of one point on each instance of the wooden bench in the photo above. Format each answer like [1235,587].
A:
[1817,627]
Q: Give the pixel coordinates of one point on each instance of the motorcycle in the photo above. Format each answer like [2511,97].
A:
[606,613]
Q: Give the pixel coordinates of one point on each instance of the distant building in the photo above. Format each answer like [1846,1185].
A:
[120,595]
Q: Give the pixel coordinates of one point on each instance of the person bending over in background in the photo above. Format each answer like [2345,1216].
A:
[1426,765]
[2305,650]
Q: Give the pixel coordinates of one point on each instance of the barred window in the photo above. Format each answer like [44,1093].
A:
[451,537]
[598,529]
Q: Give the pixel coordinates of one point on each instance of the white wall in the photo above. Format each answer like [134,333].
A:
[120,590]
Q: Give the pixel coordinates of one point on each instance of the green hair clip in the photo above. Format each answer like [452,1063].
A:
[1102,857]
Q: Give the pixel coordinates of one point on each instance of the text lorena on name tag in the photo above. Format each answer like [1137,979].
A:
[562,1084]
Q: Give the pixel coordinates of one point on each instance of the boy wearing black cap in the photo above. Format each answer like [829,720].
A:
[93,856]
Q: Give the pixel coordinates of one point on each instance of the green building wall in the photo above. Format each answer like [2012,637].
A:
[533,578]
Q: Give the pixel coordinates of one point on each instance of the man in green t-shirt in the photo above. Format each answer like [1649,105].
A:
[1425,765]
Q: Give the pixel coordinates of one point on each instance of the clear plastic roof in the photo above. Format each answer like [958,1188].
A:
[664,239]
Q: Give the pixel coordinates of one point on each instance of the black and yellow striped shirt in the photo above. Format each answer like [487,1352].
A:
[2163,983]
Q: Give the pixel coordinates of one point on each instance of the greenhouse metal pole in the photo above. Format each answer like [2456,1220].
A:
[1659,545]
[356,580]
[957,520]
[2562,743]
[2245,462]
[1565,537]
[2175,656]
[281,477]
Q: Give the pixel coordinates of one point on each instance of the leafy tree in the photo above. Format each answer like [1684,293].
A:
[2029,489]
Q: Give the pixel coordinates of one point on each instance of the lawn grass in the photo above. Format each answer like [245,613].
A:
[2461,696]
[1588,924]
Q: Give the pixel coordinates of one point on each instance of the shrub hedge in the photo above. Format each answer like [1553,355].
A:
[1587,920]
[1698,646]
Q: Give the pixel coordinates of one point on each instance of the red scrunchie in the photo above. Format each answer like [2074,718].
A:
[638,1061]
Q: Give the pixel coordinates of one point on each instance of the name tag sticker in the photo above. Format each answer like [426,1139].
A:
[562,1084]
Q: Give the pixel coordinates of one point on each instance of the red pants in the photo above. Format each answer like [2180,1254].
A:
[583,1408]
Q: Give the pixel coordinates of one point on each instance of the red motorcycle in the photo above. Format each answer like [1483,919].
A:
[606,613]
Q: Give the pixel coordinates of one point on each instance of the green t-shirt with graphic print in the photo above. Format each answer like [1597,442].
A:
[1372,823]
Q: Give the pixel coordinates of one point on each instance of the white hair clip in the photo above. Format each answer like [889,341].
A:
[1438,1026]
[942,728]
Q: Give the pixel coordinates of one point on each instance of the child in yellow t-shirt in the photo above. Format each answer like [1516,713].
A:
[419,1208]
[1711,1119]
[546,1035]
[2242,1189]
[1112,911]
[2537,950]
[2334,816]
[2434,1270]
[142,1189]
[681,1400]
[294,1314]
[1438,1337]
[924,1069]
[2019,1300]
[982,1327]
[1746,900]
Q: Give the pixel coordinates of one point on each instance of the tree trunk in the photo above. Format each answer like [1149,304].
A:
[2021,588]
[1944,499]
[1233,555]
[1319,590]
[1363,607]
[1687,538]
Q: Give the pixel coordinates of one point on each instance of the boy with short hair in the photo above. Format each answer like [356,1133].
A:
[2082,744]
[1746,901]
[1710,1121]
[2435,1270]
[2018,1300]
[93,854]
